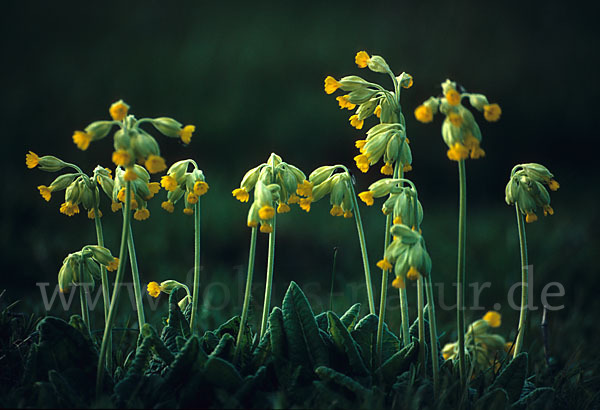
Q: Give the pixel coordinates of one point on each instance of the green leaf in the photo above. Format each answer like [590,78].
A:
[225,347]
[329,375]
[321,319]
[344,342]
[399,362]
[277,334]
[222,374]
[494,400]
[350,317]
[365,335]
[305,345]
[188,361]
[539,398]
[512,378]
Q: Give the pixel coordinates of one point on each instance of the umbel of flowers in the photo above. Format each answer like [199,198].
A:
[179,183]
[459,129]
[387,139]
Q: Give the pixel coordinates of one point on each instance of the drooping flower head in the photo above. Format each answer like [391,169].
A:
[526,190]
[181,183]
[326,180]
[459,129]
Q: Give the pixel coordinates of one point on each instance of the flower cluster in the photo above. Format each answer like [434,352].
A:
[526,190]
[337,185]
[169,286]
[84,266]
[402,202]
[407,255]
[386,140]
[482,347]
[459,129]
[181,183]
[276,185]
[131,142]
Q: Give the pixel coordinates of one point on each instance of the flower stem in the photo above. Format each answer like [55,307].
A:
[403,298]
[384,277]
[85,312]
[421,319]
[269,284]
[116,290]
[247,293]
[524,283]
[363,250]
[137,289]
[460,270]
[196,286]
[105,282]
[432,334]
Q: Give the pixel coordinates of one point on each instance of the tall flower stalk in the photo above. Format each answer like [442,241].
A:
[340,188]
[276,185]
[248,291]
[463,137]
[525,190]
[189,185]
[385,140]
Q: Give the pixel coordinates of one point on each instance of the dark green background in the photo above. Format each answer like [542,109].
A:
[250,77]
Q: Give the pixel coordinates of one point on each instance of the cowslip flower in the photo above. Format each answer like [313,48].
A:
[186,133]
[331,84]
[82,140]
[155,163]
[362,59]
[118,110]
[68,208]
[525,190]
[141,214]
[344,102]
[45,192]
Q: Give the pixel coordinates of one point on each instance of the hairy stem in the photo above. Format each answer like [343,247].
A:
[433,346]
[269,284]
[137,289]
[116,290]
[524,283]
[460,270]
[248,292]
[105,282]
[196,285]
[405,324]
[421,319]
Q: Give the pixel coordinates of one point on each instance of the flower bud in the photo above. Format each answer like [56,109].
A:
[99,129]
[167,126]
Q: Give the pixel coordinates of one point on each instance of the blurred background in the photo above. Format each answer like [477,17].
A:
[250,77]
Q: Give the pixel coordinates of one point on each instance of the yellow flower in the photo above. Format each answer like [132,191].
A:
[378,111]
[92,215]
[121,157]
[398,283]
[304,189]
[553,185]
[186,133]
[423,114]
[168,182]
[412,274]
[362,59]
[118,111]
[192,198]
[266,228]
[331,84]
[168,206]
[293,199]
[360,144]
[362,162]
[82,140]
[155,163]
[453,97]
[141,214]
[458,152]
[336,210]
[115,206]
[493,318]
[283,208]
[134,203]
[408,84]
[252,224]
[344,102]
[32,160]
[455,119]
[387,169]
[367,197]
[398,220]
[492,112]
[240,194]
[130,174]
[348,214]
[45,192]
[113,265]
[153,289]
[188,211]
[384,264]
[200,188]
[355,122]
[266,212]
[153,187]
[406,168]
[548,210]
[305,203]
[531,217]
[68,208]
